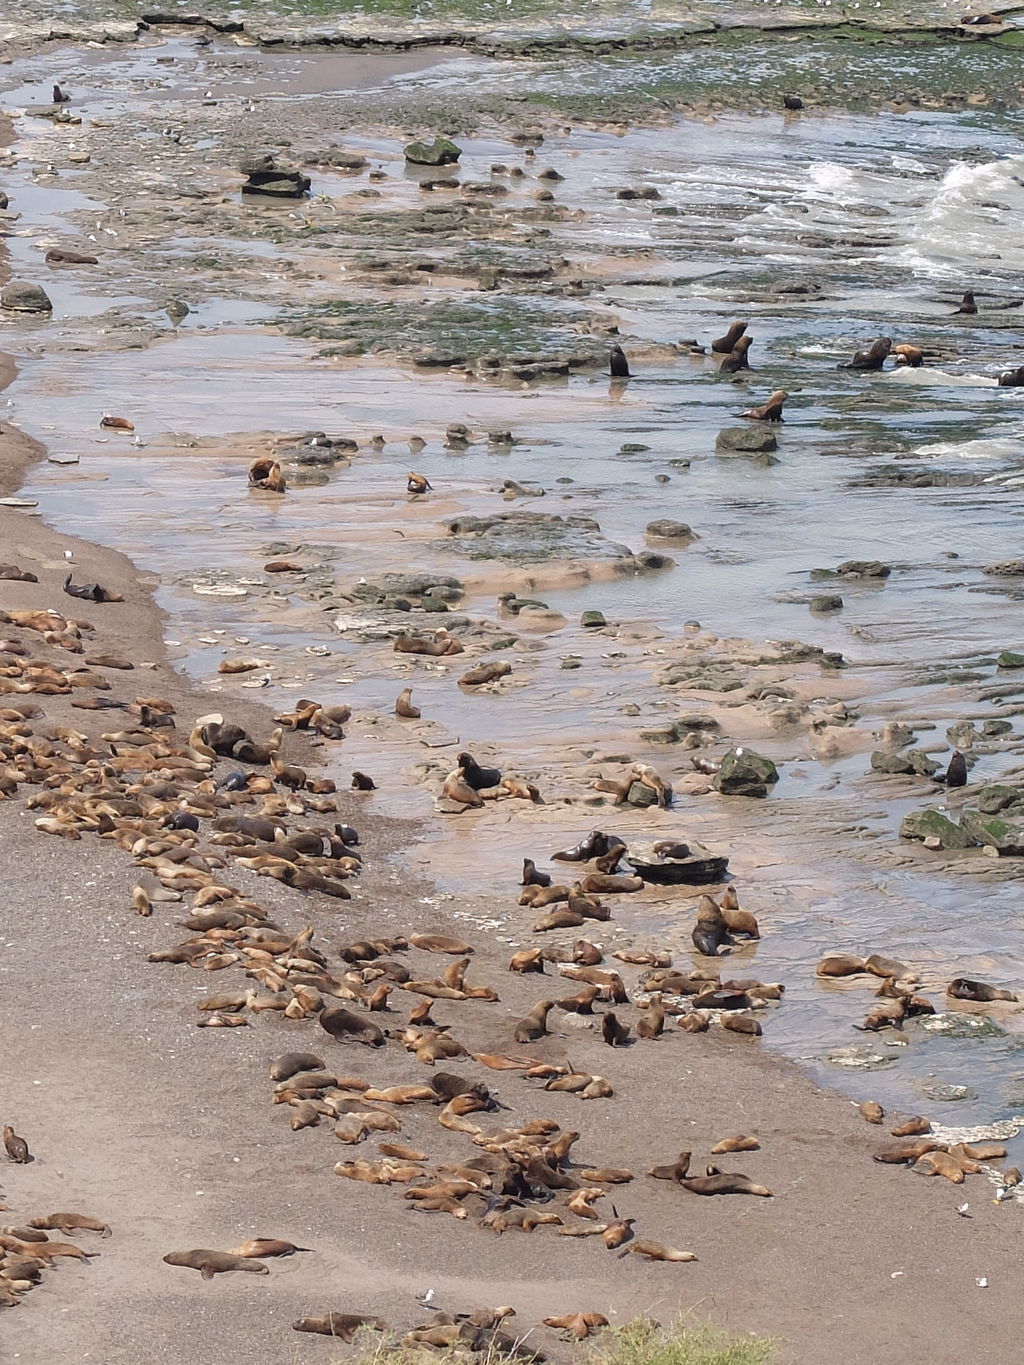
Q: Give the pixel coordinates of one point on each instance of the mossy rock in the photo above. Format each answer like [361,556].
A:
[1007,836]
[441,152]
[745,773]
[933,824]
[1010,659]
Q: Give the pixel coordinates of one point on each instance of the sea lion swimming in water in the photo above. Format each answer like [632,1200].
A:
[618,365]
[968,304]
[872,359]
[725,344]
[1012,379]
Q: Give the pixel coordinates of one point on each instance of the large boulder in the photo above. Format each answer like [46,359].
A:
[936,826]
[700,867]
[745,441]
[745,773]
[1006,836]
[441,152]
[19,297]
[909,761]
[272,181]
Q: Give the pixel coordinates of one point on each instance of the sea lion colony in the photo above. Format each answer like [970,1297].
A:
[190,810]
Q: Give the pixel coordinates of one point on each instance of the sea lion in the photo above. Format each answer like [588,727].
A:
[956,773]
[578,1326]
[912,1127]
[456,788]
[618,365]
[737,921]
[614,1033]
[770,411]
[739,1143]
[90,592]
[258,1247]
[742,1023]
[16,1147]
[477,777]
[888,1015]
[404,706]
[362,783]
[440,943]
[942,1163]
[1012,379]
[611,884]
[968,305]
[210,1263]
[723,1182]
[344,1326]
[736,360]
[710,932]
[657,1251]
[345,1026]
[595,844]
[266,473]
[580,1003]
[487,672]
[840,964]
[527,960]
[59,96]
[675,1172]
[871,359]
[531,877]
[418,483]
[723,345]
[534,1025]
[651,1023]
[871,1111]
[963,988]
[586,954]
[911,356]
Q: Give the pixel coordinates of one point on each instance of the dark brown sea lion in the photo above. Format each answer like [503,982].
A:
[968,304]
[675,1172]
[618,364]
[594,845]
[871,359]
[723,1182]
[710,932]
[91,592]
[210,1263]
[724,345]
[1012,379]
[477,777]
[266,473]
[614,1033]
[346,1026]
[956,773]
[963,988]
[531,877]
[737,358]
[770,411]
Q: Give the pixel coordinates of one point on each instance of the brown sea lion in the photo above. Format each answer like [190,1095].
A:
[344,1326]
[578,1326]
[890,1014]
[742,1023]
[440,943]
[737,921]
[1012,379]
[618,365]
[871,1111]
[651,1023]
[531,877]
[614,1033]
[911,356]
[611,884]
[737,360]
[346,1026]
[738,1143]
[404,706]
[442,644]
[723,1182]
[963,988]
[657,1251]
[724,345]
[418,483]
[967,305]
[16,1147]
[871,359]
[291,1063]
[901,1156]
[210,1263]
[912,1127]
[527,960]
[534,1025]
[560,918]
[769,411]
[71,1222]
[456,788]
[840,964]
[266,473]
[259,1247]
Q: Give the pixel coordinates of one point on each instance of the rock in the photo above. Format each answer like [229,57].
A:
[176,309]
[992,728]
[275,182]
[1010,659]
[863,568]
[667,736]
[685,724]
[700,868]
[826,602]
[441,152]
[942,1093]
[991,800]
[934,824]
[1006,568]
[745,773]
[1006,836]
[640,794]
[910,761]
[744,441]
[648,560]
[257,161]
[592,619]
[667,529]
[19,297]
[338,158]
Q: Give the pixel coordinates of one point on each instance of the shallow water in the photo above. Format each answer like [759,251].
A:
[824,235]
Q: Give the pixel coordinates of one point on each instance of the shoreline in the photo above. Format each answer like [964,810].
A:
[170,1134]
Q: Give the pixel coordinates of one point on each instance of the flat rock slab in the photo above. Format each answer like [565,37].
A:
[700,868]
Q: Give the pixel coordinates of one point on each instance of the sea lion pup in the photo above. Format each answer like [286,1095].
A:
[675,1172]
[888,1015]
[477,777]
[911,356]
[346,1026]
[737,921]
[710,932]
[871,359]
[440,943]
[742,1023]
[871,1111]
[956,773]
[725,344]
[418,483]
[71,1222]
[770,411]
[657,1251]
[967,305]
[737,360]
[266,473]
[534,1025]
[210,1263]
[651,1023]
[259,1247]
[362,783]
[618,365]
[960,988]
[531,877]
[1012,379]
[586,954]
[404,706]
[456,788]
[527,960]
[59,96]
[16,1147]
[614,1033]
[912,1127]
[344,1326]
